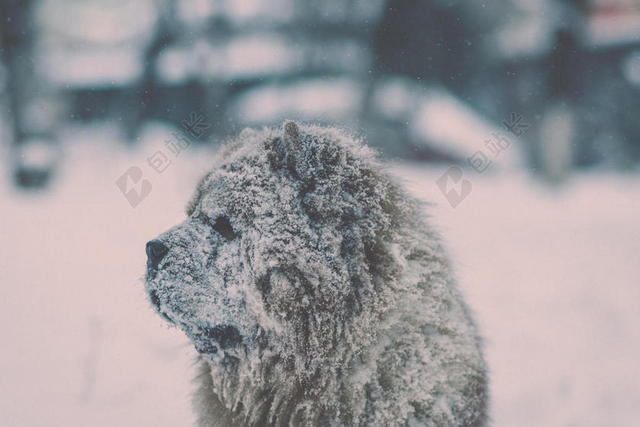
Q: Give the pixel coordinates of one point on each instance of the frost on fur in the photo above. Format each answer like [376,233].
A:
[315,293]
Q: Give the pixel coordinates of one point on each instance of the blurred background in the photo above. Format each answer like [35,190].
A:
[519,121]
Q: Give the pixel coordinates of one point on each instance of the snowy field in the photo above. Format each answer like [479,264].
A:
[553,276]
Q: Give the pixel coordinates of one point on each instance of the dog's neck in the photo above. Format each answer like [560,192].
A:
[245,394]
[263,390]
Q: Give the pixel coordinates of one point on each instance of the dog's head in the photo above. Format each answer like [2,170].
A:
[287,249]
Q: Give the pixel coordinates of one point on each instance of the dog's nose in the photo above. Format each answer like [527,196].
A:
[156,250]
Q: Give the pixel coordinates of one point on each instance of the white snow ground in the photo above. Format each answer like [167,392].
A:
[553,277]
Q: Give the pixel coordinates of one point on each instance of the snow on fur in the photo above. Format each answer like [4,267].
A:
[316,293]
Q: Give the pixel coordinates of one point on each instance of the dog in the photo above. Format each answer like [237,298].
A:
[315,292]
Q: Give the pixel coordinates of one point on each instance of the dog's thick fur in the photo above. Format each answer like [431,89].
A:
[315,292]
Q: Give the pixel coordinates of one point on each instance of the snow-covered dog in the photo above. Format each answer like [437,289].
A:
[315,293]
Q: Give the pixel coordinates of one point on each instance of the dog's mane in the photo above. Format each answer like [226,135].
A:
[371,327]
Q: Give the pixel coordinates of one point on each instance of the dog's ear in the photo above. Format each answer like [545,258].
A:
[291,137]
[295,158]
[284,149]
[307,155]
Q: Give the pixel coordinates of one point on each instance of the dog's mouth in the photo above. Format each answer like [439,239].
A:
[155,302]
[211,340]
[152,271]
[155,299]
[206,339]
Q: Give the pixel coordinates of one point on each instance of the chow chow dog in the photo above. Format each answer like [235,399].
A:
[315,292]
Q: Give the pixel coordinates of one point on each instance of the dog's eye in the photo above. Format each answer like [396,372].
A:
[224,228]
[221,225]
